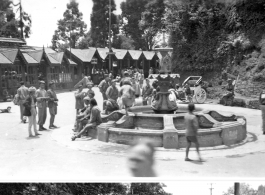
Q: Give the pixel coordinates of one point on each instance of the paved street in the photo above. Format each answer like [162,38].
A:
[53,156]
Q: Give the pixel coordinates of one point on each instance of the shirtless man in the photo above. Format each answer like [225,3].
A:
[127,95]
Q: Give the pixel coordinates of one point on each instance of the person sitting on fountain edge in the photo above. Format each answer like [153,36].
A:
[84,115]
[127,95]
[94,121]
[112,94]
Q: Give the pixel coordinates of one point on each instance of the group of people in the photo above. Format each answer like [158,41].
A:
[29,99]
[88,114]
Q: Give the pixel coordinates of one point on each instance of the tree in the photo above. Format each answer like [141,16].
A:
[123,42]
[9,25]
[131,16]
[148,188]
[245,189]
[151,22]
[71,28]
[85,42]
[100,22]
[63,188]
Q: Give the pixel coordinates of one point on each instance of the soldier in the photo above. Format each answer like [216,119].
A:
[52,104]
[112,94]
[103,86]
[22,96]
[94,121]
[41,96]
[127,95]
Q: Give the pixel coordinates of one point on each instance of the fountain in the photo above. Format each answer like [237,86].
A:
[163,121]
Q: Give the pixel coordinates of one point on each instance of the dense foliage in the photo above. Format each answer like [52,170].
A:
[100,22]
[9,25]
[245,189]
[82,188]
[70,29]
[208,35]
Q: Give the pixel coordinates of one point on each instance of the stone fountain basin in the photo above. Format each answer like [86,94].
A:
[168,130]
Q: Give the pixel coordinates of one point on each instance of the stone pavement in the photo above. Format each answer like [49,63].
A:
[252,144]
[54,157]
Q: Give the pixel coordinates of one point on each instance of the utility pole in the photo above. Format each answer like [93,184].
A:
[211,189]
[21,21]
[110,35]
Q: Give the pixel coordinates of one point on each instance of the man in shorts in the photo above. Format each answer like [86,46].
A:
[192,125]
[127,95]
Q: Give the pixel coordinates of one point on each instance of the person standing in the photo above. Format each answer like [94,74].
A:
[127,95]
[262,108]
[52,104]
[147,92]
[22,96]
[41,96]
[30,106]
[136,87]
[79,96]
[192,125]
[103,86]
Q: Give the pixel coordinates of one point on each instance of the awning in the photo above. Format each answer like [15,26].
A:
[135,54]
[29,59]
[149,54]
[55,58]
[33,57]
[4,60]
[85,55]
[120,53]
[103,52]
[10,54]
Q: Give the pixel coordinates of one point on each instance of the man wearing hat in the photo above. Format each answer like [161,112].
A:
[112,94]
[41,96]
[22,96]
[52,103]
[103,86]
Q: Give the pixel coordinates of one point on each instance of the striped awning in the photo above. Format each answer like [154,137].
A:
[135,54]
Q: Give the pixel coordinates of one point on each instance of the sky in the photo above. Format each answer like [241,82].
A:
[46,13]
[203,187]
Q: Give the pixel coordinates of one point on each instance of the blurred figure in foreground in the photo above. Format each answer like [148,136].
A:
[141,159]
[262,108]
[192,125]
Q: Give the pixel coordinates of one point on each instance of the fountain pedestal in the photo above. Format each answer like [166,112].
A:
[162,102]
